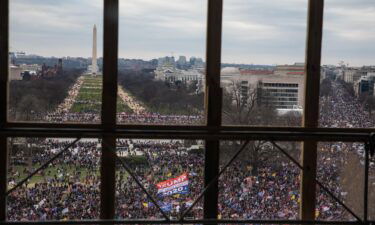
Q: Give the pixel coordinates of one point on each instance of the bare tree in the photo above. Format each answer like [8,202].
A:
[368,102]
[242,105]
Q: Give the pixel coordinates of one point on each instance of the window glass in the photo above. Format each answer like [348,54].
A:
[261,183]
[170,170]
[68,188]
[348,69]
[55,61]
[341,170]
[161,64]
[263,55]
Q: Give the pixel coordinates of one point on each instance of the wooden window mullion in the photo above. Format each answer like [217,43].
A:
[109,99]
[311,110]
[4,73]
[213,104]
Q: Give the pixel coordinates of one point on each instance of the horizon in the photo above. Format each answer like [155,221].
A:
[65,28]
[155,58]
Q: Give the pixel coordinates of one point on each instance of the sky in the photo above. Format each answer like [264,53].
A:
[254,31]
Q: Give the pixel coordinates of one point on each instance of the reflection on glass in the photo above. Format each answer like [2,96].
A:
[170,170]
[161,70]
[348,71]
[67,189]
[263,62]
[55,72]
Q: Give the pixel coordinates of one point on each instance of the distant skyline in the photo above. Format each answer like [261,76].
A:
[254,32]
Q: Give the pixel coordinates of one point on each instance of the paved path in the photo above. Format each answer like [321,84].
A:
[136,106]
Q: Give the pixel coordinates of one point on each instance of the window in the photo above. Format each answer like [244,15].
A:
[55,61]
[348,64]
[262,45]
[296,162]
[160,91]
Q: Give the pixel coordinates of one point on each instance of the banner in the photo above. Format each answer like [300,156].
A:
[178,185]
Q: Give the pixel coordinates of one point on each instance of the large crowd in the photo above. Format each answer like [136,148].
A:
[72,190]
[129,118]
[138,115]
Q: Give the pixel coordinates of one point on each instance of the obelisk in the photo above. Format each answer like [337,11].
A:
[94,64]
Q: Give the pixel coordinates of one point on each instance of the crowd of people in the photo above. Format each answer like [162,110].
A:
[131,102]
[343,110]
[138,115]
[72,190]
[67,104]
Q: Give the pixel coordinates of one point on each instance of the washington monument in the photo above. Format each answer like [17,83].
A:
[94,64]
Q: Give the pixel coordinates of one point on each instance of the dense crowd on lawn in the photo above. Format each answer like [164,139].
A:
[271,193]
[90,110]
[129,118]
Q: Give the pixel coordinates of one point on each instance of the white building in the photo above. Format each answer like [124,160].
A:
[15,73]
[171,74]
[351,75]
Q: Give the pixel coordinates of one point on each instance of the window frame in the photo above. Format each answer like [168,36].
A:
[212,132]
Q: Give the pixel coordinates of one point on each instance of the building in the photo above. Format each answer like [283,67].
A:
[181,61]
[170,74]
[295,69]
[283,87]
[167,62]
[365,85]
[196,63]
[281,92]
[15,73]
[351,75]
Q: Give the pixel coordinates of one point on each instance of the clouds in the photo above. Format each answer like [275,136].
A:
[54,28]
[157,27]
[254,31]
[349,32]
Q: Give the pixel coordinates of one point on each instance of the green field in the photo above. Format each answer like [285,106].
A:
[50,172]
[91,92]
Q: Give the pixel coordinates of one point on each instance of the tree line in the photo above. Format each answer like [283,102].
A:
[162,97]
[28,100]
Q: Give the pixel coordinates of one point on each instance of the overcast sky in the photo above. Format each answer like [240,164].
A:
[254,31]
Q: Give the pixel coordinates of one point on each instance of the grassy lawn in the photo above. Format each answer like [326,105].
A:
[50,172]
[91,90]
[86,108]
[121,107]
[89,96]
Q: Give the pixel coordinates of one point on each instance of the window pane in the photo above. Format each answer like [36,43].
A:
[161,67]
[170,170]
[55,72]
[66,189]
[261,183]
[341,170]
[348,71]
[263,62]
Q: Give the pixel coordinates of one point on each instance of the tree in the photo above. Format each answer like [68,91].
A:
[33,99]
[368,102]
[162,97]
[242,105]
